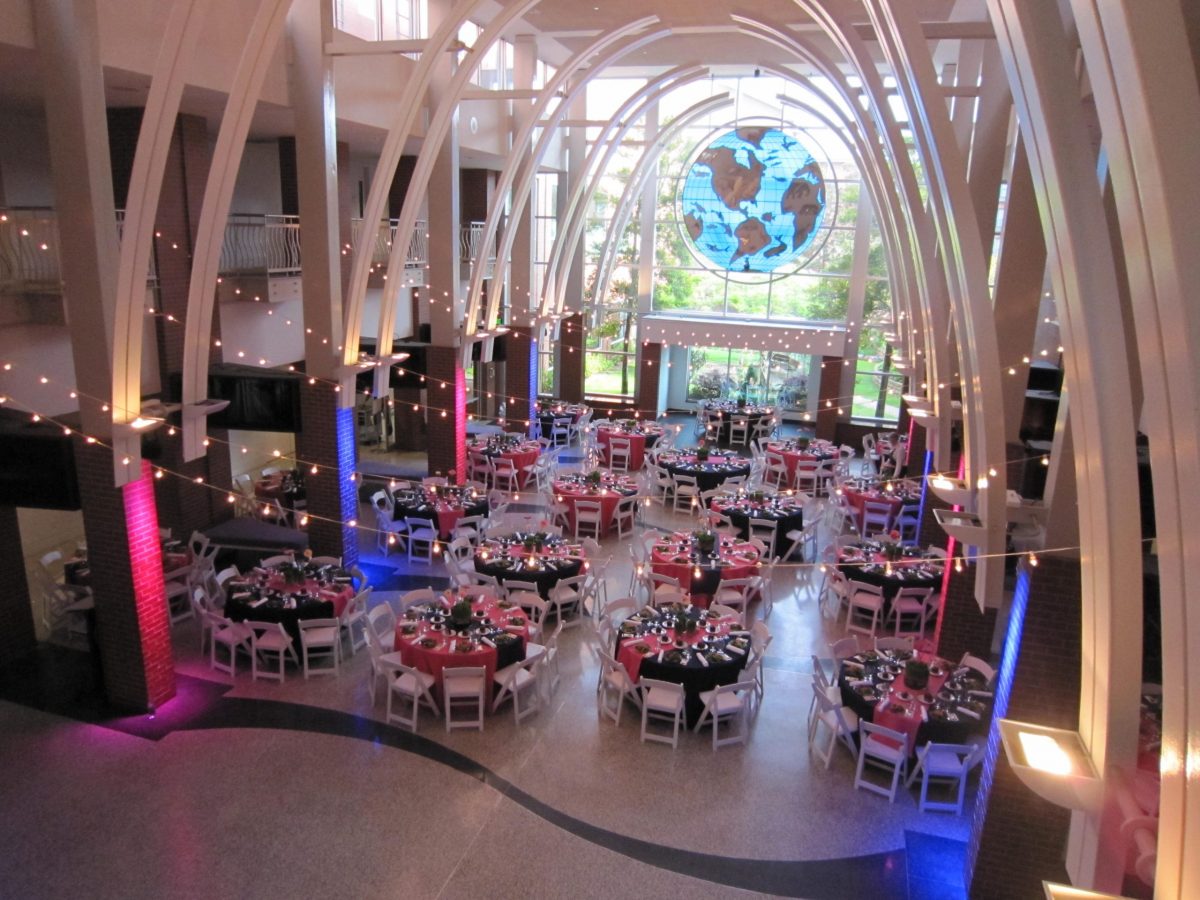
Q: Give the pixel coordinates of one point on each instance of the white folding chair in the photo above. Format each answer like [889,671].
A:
[354,620]
[589,517]
[662,701]
[422,539]
[876,517]
[727,703]
[686,493]
[865,607]
[974,662]
[893,643]
[464,687]
[619,454]
[840,721]
[615,683]
[233,636]
[944,764]
[910,608]
[269,639]
[517,679]
[625,516]
[407,685]
[881,748]
[320,639]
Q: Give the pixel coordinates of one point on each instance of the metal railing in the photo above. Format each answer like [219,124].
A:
[261,245]
[385,235]
[29,253]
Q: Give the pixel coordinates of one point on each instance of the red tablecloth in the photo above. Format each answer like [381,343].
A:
[337,594]
[857,499]
[445,654]
[637,445]
[523,456]
[906,715]
[631,658]
[738,560]
[817,453]
[569,494]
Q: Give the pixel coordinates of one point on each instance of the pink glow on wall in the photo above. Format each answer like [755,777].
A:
[460,425]
[149,593]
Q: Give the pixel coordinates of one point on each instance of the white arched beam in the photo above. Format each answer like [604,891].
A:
[646,166]
[257,53]
[1038,60]
[601,154]
[885,145]
[435,134]
[1150,123]
[141,208]
[904,45]
[608,47]
[408,108]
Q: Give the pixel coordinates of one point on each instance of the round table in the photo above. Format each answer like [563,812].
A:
[549,410]
[901,493]
[787,512]
[286,487]
[723,412]
[641,439]
[609,492]
[507,559]
[792,453]
[867,563]
[523,455]
[676,556]
[265,595]
[684,645]
[427,640]
[444,505]
[709,474]
[872,684]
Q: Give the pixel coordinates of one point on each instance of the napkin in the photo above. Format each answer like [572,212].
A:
[729,648]
[488,642]
[963,711]
[241,595]
[703,660]
[254,604]
[660,655]
[860,682]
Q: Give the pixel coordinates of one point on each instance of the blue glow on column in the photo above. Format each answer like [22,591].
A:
[347,454]
[1004,682]
[534,425]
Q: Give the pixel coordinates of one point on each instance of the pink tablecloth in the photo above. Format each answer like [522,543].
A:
[522,457]
[570,494]
[444,653]
[791,457]
[631,658]
[637,445]
[901,708]
[858,499]
[738,560]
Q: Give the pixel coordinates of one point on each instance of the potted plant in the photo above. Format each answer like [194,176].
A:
[460,613]
[293,573]
[802,443]
[702,453]
[706,541]
[593,478]
[916,674]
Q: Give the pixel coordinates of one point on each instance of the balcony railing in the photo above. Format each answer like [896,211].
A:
[385,235]
[253,245]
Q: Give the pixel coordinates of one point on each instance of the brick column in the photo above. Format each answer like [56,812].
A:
[520,373]
[410,423]
[18,636]
[570,358]
[133,631]
[649,378]
[327,439]
[827,418]
[1017,838]
[446,418]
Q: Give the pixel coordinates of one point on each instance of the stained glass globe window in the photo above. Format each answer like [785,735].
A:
[753,200]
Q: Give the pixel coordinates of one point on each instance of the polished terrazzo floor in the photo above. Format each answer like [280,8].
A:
[253,788]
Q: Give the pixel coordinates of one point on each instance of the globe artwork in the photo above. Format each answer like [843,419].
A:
[753,200]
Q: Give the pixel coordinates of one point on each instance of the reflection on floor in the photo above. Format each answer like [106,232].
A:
[247,787]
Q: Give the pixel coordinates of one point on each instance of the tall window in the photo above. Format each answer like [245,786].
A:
[787,380]
[381,20]
[545,228]
[877,385]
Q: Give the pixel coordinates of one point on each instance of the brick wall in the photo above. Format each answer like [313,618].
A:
[17,632]
[446,389]
[132,628]
[829,391]
[520,373]
[570,358]
[410,423]
[327,439]
[649,372]
[1017,839]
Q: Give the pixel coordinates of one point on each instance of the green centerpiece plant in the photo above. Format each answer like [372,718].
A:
[292,572]
[706,541]
[702,453]
[460,613]
[594,477]
[916,674]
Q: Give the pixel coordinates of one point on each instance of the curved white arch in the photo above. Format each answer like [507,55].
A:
[255,60]
[141,207]
[602,152]
[408,107]
[637,180]
[435,134]
[605,52]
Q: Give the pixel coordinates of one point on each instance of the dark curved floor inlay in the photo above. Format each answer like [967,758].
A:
[201,704]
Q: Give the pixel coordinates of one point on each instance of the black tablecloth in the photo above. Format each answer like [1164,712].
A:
[891,584]
[694,677]
[552,571]
[404,509]
[788,520]
[707,475]
[274,611]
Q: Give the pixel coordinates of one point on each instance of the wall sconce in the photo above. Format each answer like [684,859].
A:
[954,491]
[1053,763]
[962,526]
